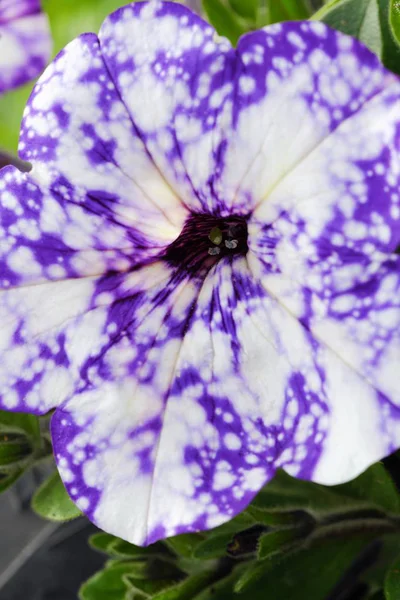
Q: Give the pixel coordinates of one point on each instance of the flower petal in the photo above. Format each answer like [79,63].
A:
[78,135]
[175,77]
[52,334]
[344,196]
[192,409]
[326,239]
[25,44]
[323,244]
[47,331]
[297,82]
[226,126]
[56,257]
[50,235]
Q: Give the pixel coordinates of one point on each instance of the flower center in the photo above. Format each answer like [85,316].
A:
[205,239]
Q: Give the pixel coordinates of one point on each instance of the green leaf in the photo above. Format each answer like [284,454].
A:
[187,589]
[20,423]
[15,449]
[375,487]
[122,549]
[102,542]
[372,489]
[52,502]
[288,10]
[252,574]
[277,541]
[391,49]
[358,18]
[245,8]
[286,493]
[308,573]
[210,544]
[392,581]
[117,548]
[242,521]
[146,588]
[213,547]
[225,21]
[279,519]
[185,544]
[137,569]
[158,567]
[394,19]
[223,589]
[108,584]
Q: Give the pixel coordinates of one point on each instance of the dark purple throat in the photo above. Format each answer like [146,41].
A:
[205,239]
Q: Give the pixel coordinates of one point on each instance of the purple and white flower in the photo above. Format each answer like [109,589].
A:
[199,273]
[25,42]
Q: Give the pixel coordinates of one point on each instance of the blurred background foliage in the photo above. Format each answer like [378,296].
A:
[297,540]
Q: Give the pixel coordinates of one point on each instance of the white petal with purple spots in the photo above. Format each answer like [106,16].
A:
[161,54]
[192,428]
[188,366]
[80,138]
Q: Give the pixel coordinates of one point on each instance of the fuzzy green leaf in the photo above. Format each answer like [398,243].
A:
[147,588]
[52,502]
[239,523]
[278,519]
[102,542]
[308,573]
[117,548]
[286,493]
[224,589]
[213,547]
[277,541]
[121,549]
[185,544]
[187,589]
[108,584]
[372,489]
[375,487]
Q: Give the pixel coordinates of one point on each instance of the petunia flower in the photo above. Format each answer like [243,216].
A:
[25,42]
[199,273]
